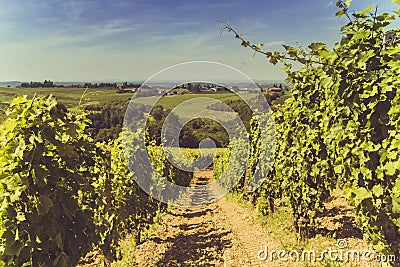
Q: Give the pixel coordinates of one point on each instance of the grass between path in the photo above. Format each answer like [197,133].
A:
[128,245]
[279,226]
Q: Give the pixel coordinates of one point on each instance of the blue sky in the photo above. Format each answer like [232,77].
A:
[77,40]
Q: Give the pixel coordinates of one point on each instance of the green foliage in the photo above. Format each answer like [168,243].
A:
[107,119]
[125,209]
[221,161]
[228,165]
[340,126]
[46,172]
[63,195]
[198,129]
[260,165]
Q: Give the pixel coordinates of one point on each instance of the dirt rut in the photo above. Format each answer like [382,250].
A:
[218,234]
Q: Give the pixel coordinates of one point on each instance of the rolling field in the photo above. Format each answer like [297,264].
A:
[73,97]
[172,101]
[186,108]
[70,97]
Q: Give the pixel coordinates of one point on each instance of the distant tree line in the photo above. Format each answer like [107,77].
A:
[277,86]
[48,83]
[199,87]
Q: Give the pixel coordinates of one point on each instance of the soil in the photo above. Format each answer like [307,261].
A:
[219,234]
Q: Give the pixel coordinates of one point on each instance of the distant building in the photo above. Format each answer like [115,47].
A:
[273,93]
[274,90]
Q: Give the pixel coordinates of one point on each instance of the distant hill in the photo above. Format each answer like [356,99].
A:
[262,83]
[10,83]
[67,83]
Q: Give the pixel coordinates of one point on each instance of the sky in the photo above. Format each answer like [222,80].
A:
[99,40]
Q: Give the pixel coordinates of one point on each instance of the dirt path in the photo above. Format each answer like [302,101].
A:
[219,234]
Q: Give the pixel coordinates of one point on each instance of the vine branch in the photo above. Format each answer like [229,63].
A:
[274,57]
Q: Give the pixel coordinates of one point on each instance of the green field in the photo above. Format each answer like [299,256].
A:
[186,110]
[172,101]
[70,97]
[73,97]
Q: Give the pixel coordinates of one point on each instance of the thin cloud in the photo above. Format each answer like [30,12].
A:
[275,43]
[195,6]
[76,9]
[110,37]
